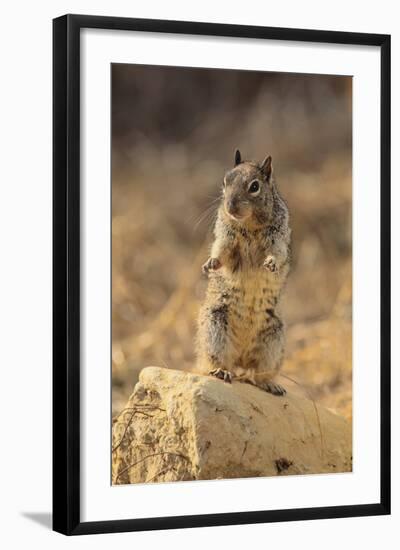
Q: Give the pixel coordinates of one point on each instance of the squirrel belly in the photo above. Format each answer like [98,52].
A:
[240,328]
[241,334]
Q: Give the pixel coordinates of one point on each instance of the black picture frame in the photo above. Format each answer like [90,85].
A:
[66,273]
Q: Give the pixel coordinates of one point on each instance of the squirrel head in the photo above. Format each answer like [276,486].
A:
[248,192]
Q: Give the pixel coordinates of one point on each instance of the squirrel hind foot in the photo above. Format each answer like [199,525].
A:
[222,374]
[273,388]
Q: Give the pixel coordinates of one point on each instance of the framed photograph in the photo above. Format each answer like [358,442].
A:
[221,274]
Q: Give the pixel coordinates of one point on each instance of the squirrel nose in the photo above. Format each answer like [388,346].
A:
[231,206]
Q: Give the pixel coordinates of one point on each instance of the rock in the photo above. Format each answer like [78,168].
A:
[181,426]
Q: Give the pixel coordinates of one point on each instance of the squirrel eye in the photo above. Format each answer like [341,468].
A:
[254,187]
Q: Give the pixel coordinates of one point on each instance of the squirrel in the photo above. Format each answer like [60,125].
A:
[241,335]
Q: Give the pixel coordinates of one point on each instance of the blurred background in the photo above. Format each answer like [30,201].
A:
[174,131]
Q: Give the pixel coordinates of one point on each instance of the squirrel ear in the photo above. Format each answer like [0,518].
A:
[238,157]
[266,167]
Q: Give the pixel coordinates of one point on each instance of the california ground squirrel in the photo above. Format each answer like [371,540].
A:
[240,332]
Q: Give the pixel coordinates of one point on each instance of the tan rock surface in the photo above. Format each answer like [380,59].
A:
[180,426]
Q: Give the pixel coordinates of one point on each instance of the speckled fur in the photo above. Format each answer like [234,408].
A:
[240,328]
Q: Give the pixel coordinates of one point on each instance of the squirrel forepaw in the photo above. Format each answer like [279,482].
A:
[270,264]
[212,264]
